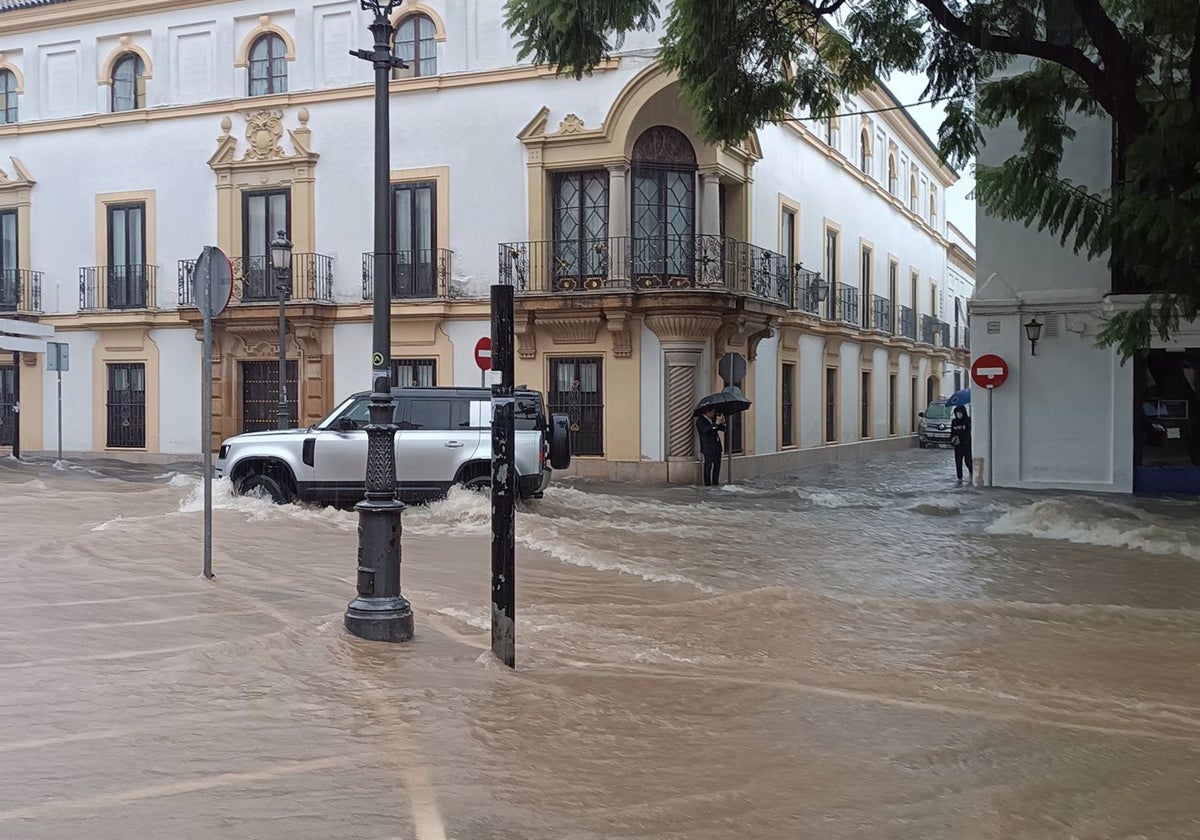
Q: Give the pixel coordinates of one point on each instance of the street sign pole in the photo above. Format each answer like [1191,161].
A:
[991,434]
[212,286]
[989,372]
[58,360]
[504,476]
[16,446]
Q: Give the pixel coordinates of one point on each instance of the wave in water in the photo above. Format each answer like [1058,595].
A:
[1101,524]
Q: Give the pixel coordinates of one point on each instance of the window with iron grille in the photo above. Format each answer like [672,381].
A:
[577,390]
[260,395]
[126,406]
[580,230]
[8,97]
[892,404]
[268,66]
[416,46]
[264,214]
[9,279]
[787,405]
[128,83]
[864,420]
[414,373]
[8,399]
[831,417]
[414,232]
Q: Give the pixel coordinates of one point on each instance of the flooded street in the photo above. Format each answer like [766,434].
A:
[863,650]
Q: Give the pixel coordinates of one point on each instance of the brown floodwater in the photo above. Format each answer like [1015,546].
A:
[857,651]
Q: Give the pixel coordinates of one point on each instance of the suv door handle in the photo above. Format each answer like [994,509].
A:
[453,444]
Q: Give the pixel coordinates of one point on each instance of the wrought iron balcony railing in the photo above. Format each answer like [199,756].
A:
[943,333]
[907,323]
[809,286]
[117,287]
[881,314]
[962,337]
[928,329]
[628,263]
[847,305]
[254,280]
[416,275]
[20,290]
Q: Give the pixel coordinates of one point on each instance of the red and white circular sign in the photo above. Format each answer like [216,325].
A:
[989,371]
[483,353]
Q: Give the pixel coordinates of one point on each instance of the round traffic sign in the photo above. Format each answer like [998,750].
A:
[989,371]
[212,281]
[483,353]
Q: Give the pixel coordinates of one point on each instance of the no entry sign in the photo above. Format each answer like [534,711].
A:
[483,353]
[989,371]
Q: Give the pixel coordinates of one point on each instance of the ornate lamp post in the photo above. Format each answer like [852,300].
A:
[281,267]
[380,612]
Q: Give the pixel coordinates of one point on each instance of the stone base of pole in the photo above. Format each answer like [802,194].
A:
[384,617]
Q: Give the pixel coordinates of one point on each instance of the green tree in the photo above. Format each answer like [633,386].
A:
[1045,64]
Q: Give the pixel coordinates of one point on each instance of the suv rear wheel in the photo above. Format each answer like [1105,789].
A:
[479,484]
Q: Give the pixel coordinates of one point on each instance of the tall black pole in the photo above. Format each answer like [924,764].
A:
[380,612]
[16,445]
[504,480]
[281,413]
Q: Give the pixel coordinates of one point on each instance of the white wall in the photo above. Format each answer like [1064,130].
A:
[653,396]
[810,407]
[351,359]
[766,396]
[464,335]
[77,396]
[180,409]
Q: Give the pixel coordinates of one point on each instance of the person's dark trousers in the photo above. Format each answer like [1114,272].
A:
[712,470]
[962,458]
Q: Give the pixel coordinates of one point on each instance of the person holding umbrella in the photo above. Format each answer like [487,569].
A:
[709,425]
[960,439]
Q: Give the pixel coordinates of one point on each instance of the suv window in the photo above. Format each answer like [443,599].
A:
[359,411]
[433,414]
[530,414]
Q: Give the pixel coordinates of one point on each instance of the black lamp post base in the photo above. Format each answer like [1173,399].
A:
[379,613]
[380,619]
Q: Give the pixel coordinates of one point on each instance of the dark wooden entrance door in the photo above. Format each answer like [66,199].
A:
[8,399]
[260,395]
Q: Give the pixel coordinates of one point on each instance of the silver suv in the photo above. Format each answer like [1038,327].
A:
[443,438]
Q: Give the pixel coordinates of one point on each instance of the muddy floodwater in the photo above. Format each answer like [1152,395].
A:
[852,652]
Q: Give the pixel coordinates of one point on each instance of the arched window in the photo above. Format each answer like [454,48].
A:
[933,206]
[128,83]
[8,96]
[864,152]
[415,45]
[913,197]
[893,183]
[663,221]
[268,65]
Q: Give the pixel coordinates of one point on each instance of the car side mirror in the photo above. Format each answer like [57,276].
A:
[346,424]
[920,413]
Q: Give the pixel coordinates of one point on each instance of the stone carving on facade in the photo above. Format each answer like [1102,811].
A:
[730,335]
[683,326]
[571,124]
[20,178]
[622,340]
[526,335]
[757,338]
[264,129]
[572,329]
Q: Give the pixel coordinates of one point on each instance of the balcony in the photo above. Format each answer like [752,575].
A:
[117,287]
[908,323]
[928,329]
[881,314]
[416,275]
[808,287]
[20,290]
[632,264]
[962,337]
[847,305]
[310,280]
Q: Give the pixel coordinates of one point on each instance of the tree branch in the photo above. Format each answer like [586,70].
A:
[1114,52]
[1194,64]
[1072,58]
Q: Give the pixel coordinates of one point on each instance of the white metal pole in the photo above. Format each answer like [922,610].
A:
[991,396]
[206,424]
[58,353]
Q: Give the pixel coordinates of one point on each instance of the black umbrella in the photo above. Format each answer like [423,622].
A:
[728,401]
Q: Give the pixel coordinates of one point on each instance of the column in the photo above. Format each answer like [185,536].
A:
[619,252]
[681,368]
[710,203]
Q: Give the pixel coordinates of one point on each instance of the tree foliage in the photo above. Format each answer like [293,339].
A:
[1046,65]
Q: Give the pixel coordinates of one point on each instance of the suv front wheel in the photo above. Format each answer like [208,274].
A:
[270,486]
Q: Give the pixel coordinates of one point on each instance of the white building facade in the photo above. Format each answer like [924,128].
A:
[137,132]
[1071,414]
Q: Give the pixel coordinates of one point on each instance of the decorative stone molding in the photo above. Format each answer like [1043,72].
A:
[523,328]
[308,339]
[6,64]
[263,131]
[572,329]
[730,335]
[266,26]
[123,48]
[683,326]
[618,328]
[571,124]
[681,372]
[833,348]
[757,338]
[22,179]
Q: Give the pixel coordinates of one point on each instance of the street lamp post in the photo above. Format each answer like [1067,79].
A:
[380,612]
[281,266]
